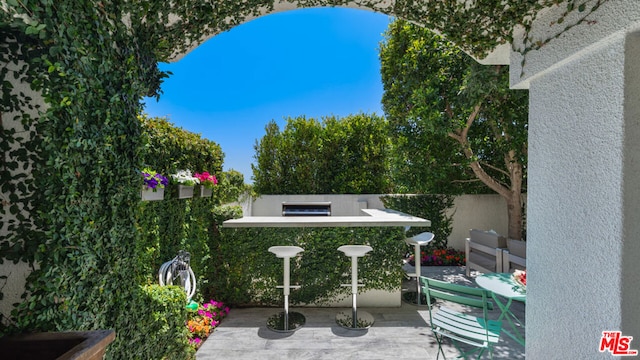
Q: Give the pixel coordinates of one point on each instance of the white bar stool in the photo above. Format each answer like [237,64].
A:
[286,321]
[355,320]
[415,297]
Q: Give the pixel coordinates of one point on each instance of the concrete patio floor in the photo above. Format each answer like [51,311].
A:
[400,332]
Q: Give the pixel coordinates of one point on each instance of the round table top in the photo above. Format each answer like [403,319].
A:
[503,285]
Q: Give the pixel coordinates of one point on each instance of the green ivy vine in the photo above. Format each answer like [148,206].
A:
[572,6]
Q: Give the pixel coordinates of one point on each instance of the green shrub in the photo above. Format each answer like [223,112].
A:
[431,207]
[158,331]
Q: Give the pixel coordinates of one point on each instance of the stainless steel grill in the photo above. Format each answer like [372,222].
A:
[316,208]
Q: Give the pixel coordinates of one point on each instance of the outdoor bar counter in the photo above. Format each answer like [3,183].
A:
[373,217]
[384,251]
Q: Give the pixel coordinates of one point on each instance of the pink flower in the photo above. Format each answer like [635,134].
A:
[206,178]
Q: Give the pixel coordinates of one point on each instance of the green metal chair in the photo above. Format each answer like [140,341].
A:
[478,331]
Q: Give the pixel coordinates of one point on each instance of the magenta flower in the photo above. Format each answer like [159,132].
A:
[206,179]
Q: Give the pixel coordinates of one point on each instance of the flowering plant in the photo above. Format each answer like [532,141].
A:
[153,180]
[204,320]
[184,177]
[206,179]
[439,257]
[520,277]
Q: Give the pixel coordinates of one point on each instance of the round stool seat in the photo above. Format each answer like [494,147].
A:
[420,239]
[355,250]
[285,251]
[416,297]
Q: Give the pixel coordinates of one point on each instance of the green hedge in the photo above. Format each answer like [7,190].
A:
[157,319]
[431,207]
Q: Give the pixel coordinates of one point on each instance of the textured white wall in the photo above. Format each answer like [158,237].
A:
[582,170]
[612,16]
[484,212]
[631,191]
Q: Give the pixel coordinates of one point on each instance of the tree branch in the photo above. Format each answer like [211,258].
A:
[484,163]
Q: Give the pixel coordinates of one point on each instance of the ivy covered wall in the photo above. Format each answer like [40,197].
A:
[168,226]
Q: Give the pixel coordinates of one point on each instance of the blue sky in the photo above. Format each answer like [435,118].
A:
[311,62]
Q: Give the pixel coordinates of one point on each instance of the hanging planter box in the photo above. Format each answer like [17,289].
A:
[151,195]
[185,192]
[204,191]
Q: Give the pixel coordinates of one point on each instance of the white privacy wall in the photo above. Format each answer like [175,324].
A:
[583,226]
[13,285]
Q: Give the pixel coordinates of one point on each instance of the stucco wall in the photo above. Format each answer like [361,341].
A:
[612,16]
[583,200]
[484,212]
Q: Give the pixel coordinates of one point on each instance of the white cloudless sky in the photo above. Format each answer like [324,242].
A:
[312,62]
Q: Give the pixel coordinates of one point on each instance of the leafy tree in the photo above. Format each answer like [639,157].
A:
[169,148]
[231,187]
[355,155]
[287,160]
[453,122]
[335,156]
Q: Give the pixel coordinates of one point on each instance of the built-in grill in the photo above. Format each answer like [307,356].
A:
[314,208]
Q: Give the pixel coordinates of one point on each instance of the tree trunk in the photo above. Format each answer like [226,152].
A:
[511,194]
[514,207]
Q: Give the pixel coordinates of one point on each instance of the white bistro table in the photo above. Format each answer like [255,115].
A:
[503,285]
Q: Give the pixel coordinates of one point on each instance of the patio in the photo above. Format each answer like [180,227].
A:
[397,333]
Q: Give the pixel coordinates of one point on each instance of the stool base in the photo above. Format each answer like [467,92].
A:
[277,322]
[411,297]
[345,320]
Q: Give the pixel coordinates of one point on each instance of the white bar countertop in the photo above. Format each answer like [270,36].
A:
[373,218]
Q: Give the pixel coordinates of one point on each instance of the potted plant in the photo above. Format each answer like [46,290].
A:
[207,182]
[153,185]
[185,183]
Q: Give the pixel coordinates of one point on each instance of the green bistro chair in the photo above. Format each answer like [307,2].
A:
[477,331]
